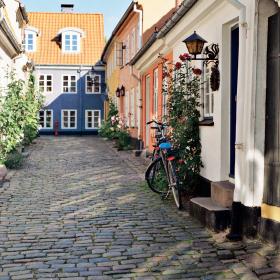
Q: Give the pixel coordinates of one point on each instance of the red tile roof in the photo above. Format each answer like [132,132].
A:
[48,49]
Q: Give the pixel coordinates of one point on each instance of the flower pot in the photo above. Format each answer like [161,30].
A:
[3,172]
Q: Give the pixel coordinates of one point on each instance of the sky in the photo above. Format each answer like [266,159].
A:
[111,9]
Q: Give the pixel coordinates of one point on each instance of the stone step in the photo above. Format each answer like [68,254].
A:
[222,193]
[211,215]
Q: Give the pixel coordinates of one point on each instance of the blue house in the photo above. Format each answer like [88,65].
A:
[66,48]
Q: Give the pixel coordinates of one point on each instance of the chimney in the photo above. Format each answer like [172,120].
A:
[178,3]
[67,8]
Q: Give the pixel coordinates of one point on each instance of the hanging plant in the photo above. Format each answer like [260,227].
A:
[215,78]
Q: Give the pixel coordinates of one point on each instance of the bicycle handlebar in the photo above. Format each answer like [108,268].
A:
[158,123]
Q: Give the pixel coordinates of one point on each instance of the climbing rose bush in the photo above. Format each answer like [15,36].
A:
[182,85]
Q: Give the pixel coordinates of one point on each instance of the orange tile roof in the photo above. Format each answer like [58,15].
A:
[48,50]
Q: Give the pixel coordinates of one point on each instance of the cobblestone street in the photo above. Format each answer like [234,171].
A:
[80,210]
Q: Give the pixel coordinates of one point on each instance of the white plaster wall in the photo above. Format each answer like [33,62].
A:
[7,64]
[11,9]
[214,139]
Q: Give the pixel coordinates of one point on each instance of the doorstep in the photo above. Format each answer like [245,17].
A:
[211,215]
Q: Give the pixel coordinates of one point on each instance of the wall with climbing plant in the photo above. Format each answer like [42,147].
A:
[20,103]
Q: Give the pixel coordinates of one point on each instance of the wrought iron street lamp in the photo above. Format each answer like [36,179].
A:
[195,45]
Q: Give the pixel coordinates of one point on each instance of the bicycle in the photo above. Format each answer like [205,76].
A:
[161,174]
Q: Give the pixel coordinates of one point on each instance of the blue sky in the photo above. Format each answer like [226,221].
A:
[112,9]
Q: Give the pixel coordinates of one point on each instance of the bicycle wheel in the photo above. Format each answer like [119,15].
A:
[156,177]
[174,181]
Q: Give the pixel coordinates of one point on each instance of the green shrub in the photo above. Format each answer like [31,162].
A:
[123,140]
[14,160]
[29,134]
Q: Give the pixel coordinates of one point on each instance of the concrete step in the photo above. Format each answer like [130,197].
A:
[211,215]
[222,193]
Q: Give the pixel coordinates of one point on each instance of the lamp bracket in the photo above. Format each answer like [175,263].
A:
[211,52]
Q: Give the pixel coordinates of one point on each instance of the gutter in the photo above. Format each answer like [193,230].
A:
[23,12]
[118,26]
[8,32]
[148,44]
[184,8]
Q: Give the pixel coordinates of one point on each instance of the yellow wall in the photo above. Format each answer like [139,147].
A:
[154,10]
[270,212]
[112,79]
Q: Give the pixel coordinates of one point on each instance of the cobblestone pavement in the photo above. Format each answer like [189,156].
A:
[79,210]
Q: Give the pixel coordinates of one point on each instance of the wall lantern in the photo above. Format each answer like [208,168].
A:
[118,92]
[195,45]
[122,91]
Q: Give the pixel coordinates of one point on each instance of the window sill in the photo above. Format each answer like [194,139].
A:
[207,122]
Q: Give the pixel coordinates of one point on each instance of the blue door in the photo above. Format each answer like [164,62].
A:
[233,96]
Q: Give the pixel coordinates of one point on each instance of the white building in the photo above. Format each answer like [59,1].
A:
[12,19]
[240,127]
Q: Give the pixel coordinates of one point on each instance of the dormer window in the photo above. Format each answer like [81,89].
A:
[71,42]
[71,39]
[30,39]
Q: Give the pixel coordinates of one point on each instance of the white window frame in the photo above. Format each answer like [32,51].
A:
[62,118]
[132,108]
[93,86]
[126,108]
[155,93]
[45,118]
[45,83]
[86,119]
[70,92]
[127,50]
[71,34]
[207,91]
[132,43]
[34,45]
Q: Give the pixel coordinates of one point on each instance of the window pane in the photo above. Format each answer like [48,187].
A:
[73,78]
[207,104]
[72,113]
[212,103]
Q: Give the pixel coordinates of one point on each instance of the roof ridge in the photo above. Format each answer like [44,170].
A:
[60,13]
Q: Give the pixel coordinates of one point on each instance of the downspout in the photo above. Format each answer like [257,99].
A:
[140,35]
[140,24]
[236,230]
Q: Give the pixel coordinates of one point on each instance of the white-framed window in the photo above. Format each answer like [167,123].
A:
[45,83]
[126,108]
[132,43]
[69,84]
[208,94]
[71,41]
[93,86]
[69,119]
[132,108]
[93,119]
[155,93]
[30,40]
[138,106]
[127,50]
[46,119]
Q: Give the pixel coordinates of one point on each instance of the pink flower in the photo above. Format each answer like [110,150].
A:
[184,56]
[178,65]
[197,71]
